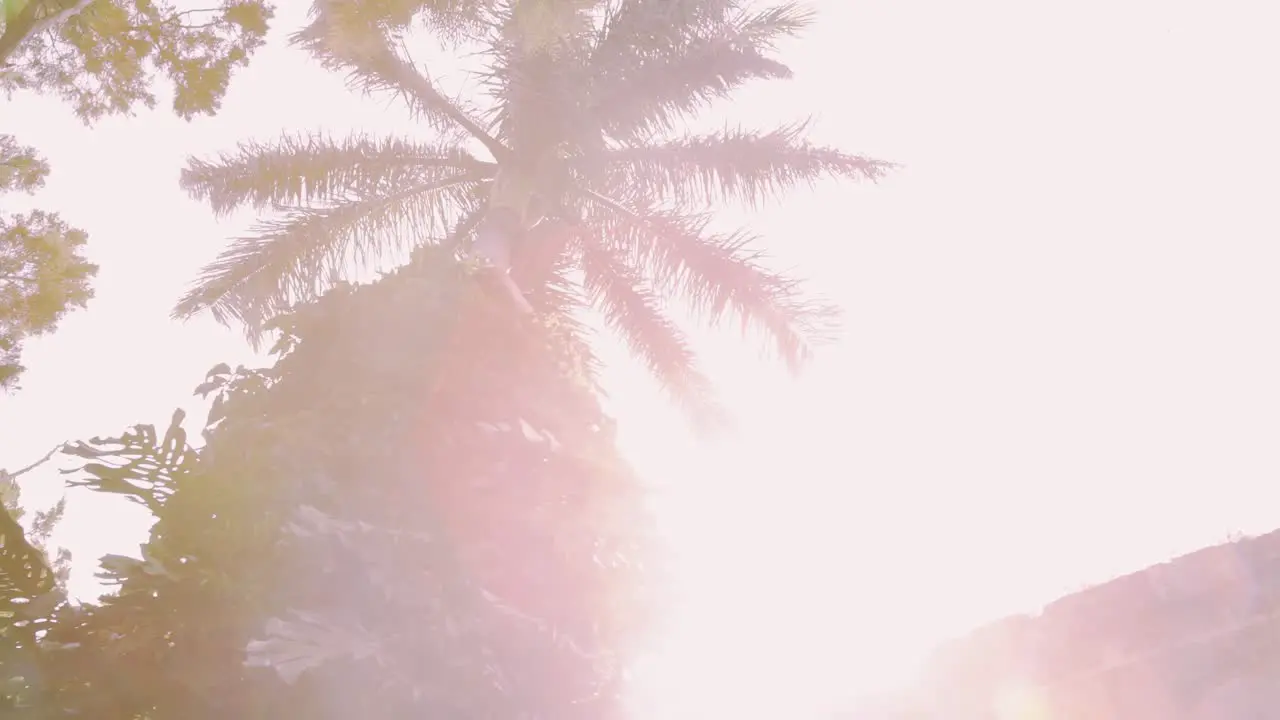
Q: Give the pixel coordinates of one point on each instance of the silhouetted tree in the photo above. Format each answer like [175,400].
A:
[572,163]
[417,511]
[31,585]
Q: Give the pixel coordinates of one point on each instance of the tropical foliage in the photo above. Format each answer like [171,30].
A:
[579,125]
[32,583]
[417,511]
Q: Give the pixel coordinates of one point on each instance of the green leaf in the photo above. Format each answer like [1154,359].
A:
[292,647]
[218,370]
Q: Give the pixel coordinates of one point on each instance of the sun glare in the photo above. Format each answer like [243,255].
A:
[767,620]
[1020,703]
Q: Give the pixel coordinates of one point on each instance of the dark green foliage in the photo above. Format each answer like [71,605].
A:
[32,587]
[25,573]
[102,55]
[43,275]
[43,272]
[417,512]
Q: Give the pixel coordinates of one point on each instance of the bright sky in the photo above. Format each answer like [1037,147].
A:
[1059,361]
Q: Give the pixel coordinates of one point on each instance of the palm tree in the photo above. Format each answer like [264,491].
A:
[572,161]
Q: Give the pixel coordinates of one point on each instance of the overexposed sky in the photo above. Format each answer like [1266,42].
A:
[1059,362]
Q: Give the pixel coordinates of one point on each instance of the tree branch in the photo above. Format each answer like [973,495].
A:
[26,23]
[36,464]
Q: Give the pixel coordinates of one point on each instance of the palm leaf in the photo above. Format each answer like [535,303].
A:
[631,99]
[597,100]
[545,26]
[657,95]
[313,170]
[564,303]
[467,224]
[701,170]
[537,97]
[763,29]
[644,27]
[719,276]
[344,37]
[458,21]
[634,312]
[296,258]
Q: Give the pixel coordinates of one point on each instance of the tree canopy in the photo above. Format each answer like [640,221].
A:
[418,510]
[43,271]
[103,57]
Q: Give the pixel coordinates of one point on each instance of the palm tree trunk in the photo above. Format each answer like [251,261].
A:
[515,207]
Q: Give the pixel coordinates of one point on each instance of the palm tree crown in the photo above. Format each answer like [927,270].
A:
[579,126]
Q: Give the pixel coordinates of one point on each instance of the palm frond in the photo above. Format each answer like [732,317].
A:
[589,107]
[545,26]
[742,165]
[523,86]
[555,294]
[562,304]
[655,96]
[309,170]
[537,61]
[537,97]
[467,224]
[630,99]
[634,311]
[344,37]
[719,276]
[765,28]
[644,27]
[561,299]
[458,21]
[297,257]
